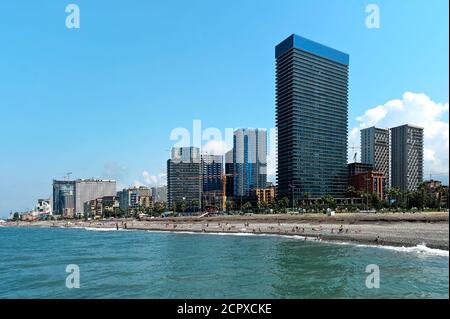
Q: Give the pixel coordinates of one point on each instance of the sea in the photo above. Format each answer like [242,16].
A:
[98,263]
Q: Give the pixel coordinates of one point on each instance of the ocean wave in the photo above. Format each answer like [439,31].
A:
[421,249]
[104,229]
[243,234]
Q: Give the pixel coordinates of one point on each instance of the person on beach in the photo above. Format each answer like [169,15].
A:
[341,229]
[117,226]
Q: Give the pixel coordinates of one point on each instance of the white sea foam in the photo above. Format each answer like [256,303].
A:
[70,227]
[243,234]
[104,229]
[421,249]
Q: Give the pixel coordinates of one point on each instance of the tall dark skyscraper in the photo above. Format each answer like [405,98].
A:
[184,179]
[407,157]
[311,118]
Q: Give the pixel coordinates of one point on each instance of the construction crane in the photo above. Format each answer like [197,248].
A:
[436,174]
[224,178]
[356,153]
[224,189]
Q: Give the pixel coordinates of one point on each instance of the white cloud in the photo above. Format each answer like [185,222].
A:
[113,170]
[216,147]
[120,186]
[416,109]
[150,180]
[138,183]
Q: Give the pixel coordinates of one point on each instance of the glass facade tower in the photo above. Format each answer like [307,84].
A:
[249,161]
[311,119]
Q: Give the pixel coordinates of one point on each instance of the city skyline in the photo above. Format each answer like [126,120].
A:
[53,150]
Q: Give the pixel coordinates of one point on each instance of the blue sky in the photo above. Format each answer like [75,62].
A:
[101,101]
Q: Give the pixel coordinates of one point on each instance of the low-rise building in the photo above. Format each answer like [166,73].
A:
[159,194]
[212,200]
[357,168]
[265,195]
[44,207]
[102,206]
[29,217]
[370,182]
[435,188]
[135,197]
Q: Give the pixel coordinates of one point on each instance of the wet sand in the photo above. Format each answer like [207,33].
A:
[392,229]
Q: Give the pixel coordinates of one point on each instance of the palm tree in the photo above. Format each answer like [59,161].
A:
[246,207]
[229,205]
[442,193]
[284,204]
[351,191]
[306,196]
[183,205]
[329,201]
[273,205]
[394,193]
[195,204]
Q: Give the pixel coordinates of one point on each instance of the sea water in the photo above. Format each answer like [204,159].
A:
[144,264]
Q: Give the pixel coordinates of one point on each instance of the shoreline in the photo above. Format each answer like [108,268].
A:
[386,229]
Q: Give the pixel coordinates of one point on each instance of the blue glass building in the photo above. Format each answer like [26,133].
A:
[249,161]
[212,170]
[311,118]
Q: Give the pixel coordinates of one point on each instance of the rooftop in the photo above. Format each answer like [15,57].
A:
[298,42]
